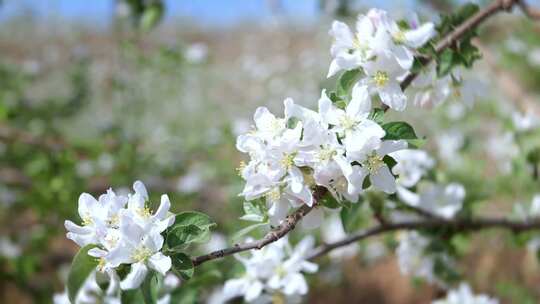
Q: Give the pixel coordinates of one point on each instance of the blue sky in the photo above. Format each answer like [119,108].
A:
[206,12]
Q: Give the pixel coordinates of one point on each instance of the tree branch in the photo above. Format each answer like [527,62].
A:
[450,39]
[290,222]
[456,224]
[275,234]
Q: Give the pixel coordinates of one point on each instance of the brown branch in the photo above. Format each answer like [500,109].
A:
[275,234]
[297,215]
[458,32]
[457,225]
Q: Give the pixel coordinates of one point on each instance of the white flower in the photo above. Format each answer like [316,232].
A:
[525,121]
[288,277]
[351,50]
[352,123]
[402,41]
[411,166]
[464,295]
[449,144]
[502,149]
[98,218]
[140,212]
[383,77]
[374,166]
[8,248]
[429,89]
[275,270]
[442,200]
[413,259]
[332,231]
[139,246]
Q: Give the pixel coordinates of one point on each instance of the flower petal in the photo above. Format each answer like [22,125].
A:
[135,277]
[160,262]
[383,180]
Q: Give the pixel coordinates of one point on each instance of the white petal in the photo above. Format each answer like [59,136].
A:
[234,288]
[160,262]
[72,227]
[140,189]
[408,197]
[333,69]
[404,57]
[383,180]
[360,102]
[163,208]
[389,146]
[135,277]
[418,37]
[278,211]
[295,284]
[393,96]
[253,291]
[87,205]
[313,219]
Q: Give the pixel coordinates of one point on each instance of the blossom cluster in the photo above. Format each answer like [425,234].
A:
[382,49]
[123,231]
[274,272]
[334,148]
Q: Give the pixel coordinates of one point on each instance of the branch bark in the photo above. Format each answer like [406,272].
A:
[275,234]
[460,225]
[458,32]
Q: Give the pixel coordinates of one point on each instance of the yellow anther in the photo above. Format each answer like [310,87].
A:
[141,254]
[380,78]
[399,37]
[347,122]
[288,160]
[144,212]
[241,168]
[274,194]
[374,162]
[326,154]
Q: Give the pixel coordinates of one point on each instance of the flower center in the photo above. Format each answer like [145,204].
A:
[113,221]
[288,160]
[144,212]
[347,122]
[360,45]
[374,162]
[141,254]
[274,194]
[101,264]
[326,154]
[380,78]
[87,220]
[340,184]
[399,37]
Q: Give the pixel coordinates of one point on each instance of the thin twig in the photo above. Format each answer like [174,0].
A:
[457,225]
[458,32]
[275,234]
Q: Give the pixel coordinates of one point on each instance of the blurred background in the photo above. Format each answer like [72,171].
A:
[96,94]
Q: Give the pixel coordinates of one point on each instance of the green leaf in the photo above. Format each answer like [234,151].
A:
[198,219]
[132,296]
[351,218]
[389,161]
[81,267]
[151,16]
[247,230]
[398,130]
[445,62]
[179,236]
[346,82]
[377,115]
[254,211]
[182,265]
[329,201]
[150,288]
